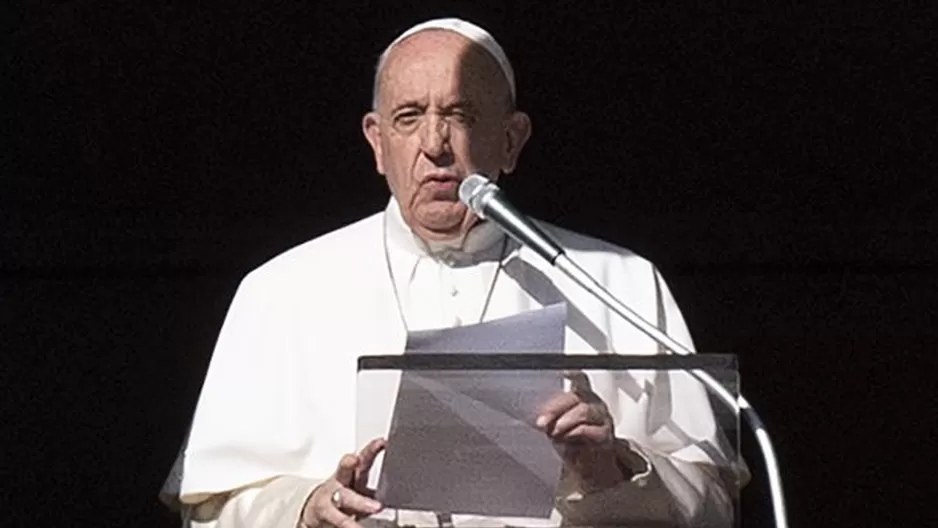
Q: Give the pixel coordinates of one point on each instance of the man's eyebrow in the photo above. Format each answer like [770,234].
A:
[459,105]
[407,105]
[417,105]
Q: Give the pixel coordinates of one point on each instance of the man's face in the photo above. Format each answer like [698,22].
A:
[443,113]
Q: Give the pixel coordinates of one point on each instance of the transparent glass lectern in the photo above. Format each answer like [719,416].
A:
[463,448]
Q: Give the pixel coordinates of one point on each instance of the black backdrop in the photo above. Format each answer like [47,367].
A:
[776,161]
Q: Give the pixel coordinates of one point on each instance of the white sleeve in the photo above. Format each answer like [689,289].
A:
[664,491]
[684,469]
[276,504]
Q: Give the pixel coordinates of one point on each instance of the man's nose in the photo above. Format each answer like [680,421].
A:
[435,138]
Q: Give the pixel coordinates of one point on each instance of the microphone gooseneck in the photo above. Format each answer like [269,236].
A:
[487,201]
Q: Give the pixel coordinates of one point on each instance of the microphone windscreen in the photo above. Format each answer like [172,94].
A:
[470,189]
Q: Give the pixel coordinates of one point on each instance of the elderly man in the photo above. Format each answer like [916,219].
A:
[272,440]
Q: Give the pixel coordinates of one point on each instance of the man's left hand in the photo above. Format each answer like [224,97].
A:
[580,421]
[569,418]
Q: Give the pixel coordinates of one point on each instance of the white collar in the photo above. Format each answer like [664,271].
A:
[482,242]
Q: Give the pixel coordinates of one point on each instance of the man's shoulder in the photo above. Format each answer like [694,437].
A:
[338,250]
[615,265]
[588,246]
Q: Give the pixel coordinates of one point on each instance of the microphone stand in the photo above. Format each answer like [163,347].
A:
[484,198]
[738,404]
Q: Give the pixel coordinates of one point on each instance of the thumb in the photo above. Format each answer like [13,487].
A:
[346,470]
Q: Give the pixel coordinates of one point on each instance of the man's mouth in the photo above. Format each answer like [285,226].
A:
[440,177]
[442,186]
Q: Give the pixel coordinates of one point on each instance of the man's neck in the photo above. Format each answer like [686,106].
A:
[477,239]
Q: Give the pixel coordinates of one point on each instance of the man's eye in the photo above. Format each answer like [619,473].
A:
[461,118]
[406,119]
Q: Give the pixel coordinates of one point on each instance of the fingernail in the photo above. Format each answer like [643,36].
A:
[541,421]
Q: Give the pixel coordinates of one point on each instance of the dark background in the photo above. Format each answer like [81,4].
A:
[777,161]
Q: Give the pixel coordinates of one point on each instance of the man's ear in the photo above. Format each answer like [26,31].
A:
[517,133]
[371,127]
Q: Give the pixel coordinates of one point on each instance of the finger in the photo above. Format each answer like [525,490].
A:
[346,470]
[368,453]
[583,413]
[367,458]
[587,433]
[578,380]
[581,385]
[352,502]
[334,517]
[577,415]
[554,408]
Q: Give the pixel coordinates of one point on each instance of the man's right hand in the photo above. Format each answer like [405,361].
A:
[343,498]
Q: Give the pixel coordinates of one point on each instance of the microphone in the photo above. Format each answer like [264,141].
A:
[487,201]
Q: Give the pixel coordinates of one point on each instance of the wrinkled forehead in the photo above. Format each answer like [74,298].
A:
[474,47]
[444,66]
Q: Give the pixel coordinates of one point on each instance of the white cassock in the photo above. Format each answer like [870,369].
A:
[278,406]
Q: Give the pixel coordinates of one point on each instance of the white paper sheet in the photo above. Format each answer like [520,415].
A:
[464,441]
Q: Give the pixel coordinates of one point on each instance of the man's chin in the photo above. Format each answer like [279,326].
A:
[441,220]
[441,231]
[438,233]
